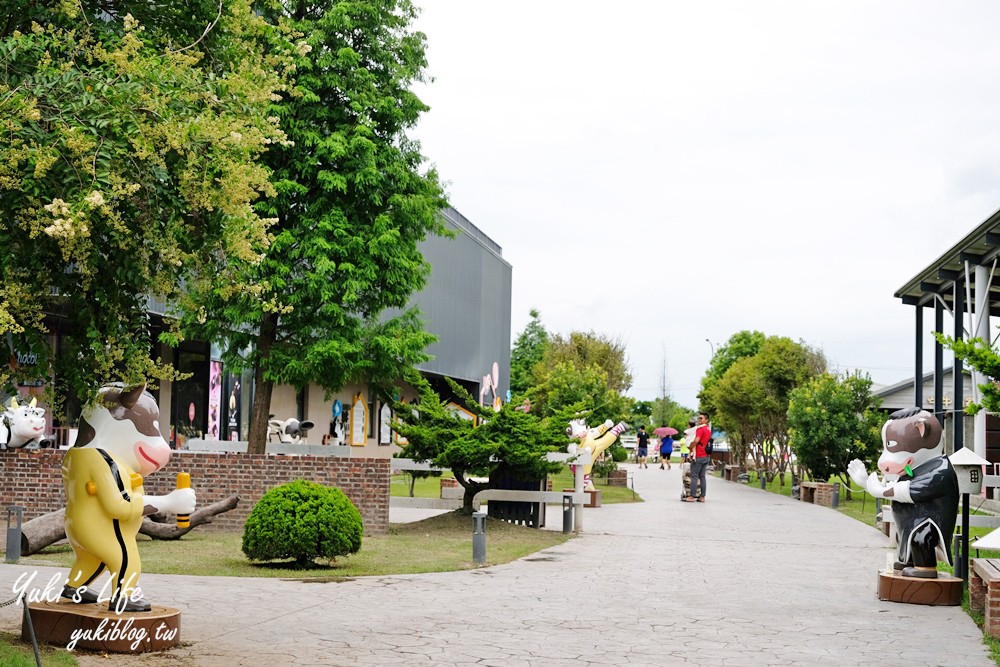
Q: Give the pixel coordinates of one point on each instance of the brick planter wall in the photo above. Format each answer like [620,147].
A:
[33,479]
[618,478]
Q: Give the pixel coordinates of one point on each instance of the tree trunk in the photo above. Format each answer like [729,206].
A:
[262,387]
[50,528]
[160,528]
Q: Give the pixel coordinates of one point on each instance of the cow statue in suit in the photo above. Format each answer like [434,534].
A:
[922,485]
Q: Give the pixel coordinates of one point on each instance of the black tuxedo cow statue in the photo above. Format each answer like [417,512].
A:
[922,485]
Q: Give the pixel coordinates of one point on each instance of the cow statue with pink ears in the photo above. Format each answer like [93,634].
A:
[922,485]
[119,442]
[22,425]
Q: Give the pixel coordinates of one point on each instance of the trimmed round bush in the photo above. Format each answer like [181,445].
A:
[303,521]
[618,453]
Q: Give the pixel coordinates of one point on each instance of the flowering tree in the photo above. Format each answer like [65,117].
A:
[129,166]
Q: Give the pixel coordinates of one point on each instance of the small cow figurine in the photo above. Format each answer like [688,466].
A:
[922,485]
[594,440]
[119,443]
[290,431]
[23,425]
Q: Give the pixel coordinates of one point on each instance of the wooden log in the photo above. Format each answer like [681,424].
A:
[164,529]
[42,531]
[49,528]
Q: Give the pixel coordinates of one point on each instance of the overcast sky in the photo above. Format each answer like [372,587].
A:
[670,173]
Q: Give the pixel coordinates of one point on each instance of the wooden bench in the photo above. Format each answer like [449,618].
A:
[984,592]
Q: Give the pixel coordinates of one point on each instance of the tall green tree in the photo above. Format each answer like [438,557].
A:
[586,349]
[833,420]
[511,440]
[741,344]
[527,352]
[130,162]
[583,371]
[353,202]
[751,399]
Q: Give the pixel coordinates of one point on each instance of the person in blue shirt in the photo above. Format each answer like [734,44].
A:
[666,450]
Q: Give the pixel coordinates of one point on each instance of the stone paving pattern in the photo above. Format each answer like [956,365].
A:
[748,578]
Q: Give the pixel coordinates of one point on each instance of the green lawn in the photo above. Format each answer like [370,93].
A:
[430,487]
[16,653]
[439,544]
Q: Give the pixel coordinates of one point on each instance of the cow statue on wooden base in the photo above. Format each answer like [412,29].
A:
[119,442]
[922,485]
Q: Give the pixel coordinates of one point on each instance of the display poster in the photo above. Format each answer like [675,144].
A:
[385,425]
[214,400]
[359,422]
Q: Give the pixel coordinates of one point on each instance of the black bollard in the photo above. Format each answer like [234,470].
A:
[14,533]
[567,514]
[479,537]
[835,501]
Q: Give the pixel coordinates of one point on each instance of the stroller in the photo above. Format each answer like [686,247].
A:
[685,479]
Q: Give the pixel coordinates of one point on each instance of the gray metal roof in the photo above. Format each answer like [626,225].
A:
[981,246]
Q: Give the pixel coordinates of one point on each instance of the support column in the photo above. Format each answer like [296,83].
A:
[918,362]
[958,389]
[939,363]
[980,329]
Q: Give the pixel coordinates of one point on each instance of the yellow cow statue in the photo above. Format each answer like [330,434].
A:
[593,440]
[119,442]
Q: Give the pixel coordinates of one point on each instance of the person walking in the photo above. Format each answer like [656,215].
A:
[699,466]
[666,450]
[642,440]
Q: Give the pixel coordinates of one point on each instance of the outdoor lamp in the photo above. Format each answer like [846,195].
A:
[969,470]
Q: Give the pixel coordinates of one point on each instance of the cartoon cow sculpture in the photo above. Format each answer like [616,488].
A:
[119,442]
[290,431]
[23,425]
[922,485]
[594,440]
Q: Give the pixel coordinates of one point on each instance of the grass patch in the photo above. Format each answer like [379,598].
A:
[610,495]
[439,544]
[17,653]
[399,486]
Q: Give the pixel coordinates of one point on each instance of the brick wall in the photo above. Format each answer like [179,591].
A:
[33,479]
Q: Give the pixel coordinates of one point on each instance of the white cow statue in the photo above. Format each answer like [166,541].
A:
[23,425]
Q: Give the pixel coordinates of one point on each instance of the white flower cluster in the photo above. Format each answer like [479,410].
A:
[64,226]
[95,199]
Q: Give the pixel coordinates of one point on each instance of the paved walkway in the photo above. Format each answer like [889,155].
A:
[747,578]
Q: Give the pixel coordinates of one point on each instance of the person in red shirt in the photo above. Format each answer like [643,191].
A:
[700,460]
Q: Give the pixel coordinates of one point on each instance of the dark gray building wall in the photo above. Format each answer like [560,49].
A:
[466,304]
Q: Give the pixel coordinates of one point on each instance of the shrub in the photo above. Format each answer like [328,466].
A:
[303,521]
[618,453]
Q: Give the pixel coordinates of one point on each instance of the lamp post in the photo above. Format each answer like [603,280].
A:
[711,346]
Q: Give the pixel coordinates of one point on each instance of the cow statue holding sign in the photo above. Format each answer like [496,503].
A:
[593,440]
[922,485]
[119,442]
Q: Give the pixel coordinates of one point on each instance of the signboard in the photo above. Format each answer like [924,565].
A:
[359,422]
